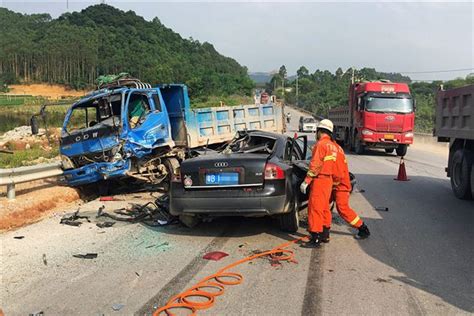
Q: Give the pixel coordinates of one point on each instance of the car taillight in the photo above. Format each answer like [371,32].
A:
[274,172]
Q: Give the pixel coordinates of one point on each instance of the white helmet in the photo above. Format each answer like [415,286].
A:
[327,125]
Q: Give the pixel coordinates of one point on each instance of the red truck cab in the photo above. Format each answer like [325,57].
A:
[380,114]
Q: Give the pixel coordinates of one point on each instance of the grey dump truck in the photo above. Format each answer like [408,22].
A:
[455,124]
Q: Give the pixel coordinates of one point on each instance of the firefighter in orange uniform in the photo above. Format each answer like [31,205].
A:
[342,190]
[320,176]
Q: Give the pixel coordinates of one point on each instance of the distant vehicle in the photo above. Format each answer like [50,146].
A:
[455,124]
[256,174]
[307,124]
[130,129]
[380,114]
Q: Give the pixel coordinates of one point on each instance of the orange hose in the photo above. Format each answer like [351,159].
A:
[218,281]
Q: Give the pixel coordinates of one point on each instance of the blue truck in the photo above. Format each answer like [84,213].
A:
[134,130]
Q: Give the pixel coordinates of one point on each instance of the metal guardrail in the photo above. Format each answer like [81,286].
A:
[10,177]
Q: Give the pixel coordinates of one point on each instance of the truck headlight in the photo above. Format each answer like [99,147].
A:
[367,132]
[67,162]
[409,135]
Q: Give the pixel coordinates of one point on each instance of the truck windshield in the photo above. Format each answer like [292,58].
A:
[379,104]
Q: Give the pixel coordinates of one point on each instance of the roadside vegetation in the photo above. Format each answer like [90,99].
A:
[25,157]
[321,90]
[37,48]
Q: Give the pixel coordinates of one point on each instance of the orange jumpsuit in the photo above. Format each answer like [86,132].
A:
[320,176]
[342,189]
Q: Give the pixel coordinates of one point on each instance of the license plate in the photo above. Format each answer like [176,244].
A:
[388,136]
[222,178]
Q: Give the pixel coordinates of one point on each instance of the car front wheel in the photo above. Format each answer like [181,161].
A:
[289,222]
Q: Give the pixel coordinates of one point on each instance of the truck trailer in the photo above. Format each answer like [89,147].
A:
[455,124]
[130,129]
[379,114]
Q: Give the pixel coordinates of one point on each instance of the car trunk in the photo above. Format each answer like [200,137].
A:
[222,171]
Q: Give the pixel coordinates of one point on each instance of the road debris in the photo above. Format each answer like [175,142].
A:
[45,262]
[215,255]
[381,208]
[73,219]
[152,213]
[86,256]
[117,307]
[19,237]
[109,198]
[381,280]
[158,246]
[39,313]
[105,224]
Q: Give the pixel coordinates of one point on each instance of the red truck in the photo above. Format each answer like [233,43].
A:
[380,114]
[455,124]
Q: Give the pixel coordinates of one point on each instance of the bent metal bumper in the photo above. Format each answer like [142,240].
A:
[95,172]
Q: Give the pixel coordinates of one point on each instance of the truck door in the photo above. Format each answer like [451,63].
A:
[145,120]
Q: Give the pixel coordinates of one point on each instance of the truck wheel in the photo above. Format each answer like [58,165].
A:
[402,150]
[359,148]
[289,222]
[389,150]
[472,180]
[461,172]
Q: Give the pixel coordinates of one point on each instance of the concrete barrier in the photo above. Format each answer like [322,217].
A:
[428,140]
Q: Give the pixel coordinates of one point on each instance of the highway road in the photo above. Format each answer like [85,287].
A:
[419,259]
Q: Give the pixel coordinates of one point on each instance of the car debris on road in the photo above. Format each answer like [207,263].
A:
[86,256]
[73,219]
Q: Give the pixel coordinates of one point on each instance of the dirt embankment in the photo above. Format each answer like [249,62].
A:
[45,90]
[34,201]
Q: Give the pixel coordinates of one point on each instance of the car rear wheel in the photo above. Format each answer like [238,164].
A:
[461,170]
[289,222]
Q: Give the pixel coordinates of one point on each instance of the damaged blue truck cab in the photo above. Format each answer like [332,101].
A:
[145,132]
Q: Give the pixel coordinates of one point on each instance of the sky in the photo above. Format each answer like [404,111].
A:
[406,37]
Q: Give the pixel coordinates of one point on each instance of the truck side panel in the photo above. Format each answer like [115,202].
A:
[175,97]
[455,113]
[219,124]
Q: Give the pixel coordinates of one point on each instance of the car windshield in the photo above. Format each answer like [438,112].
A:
[308,120]
[378,104]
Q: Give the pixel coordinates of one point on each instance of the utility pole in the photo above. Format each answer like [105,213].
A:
[297,104]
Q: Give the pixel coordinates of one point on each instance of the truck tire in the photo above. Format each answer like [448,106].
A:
[461,174]
[359,148]
[289,222]
[472,181]
[402,150]
[389,150]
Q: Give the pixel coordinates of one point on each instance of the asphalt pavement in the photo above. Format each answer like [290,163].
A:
[419,259]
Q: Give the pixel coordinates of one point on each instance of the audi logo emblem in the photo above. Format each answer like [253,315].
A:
[221,164]
[390,118]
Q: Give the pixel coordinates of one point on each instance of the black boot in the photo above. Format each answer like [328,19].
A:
[314,241]
[325,234]
[363,232]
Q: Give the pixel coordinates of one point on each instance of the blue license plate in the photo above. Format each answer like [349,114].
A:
[222,178]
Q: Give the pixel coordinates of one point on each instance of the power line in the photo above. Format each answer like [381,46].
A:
[435,71]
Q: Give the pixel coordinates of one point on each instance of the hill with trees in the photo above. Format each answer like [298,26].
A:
[321,90]
[77,47]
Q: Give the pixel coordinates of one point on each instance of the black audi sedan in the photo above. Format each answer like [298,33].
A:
[256,174]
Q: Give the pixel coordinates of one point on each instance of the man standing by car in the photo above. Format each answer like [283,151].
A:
[341,192]
[320,176]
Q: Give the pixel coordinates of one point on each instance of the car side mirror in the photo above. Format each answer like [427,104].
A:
[34,125]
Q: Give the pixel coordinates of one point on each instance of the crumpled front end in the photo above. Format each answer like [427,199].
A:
[95,172]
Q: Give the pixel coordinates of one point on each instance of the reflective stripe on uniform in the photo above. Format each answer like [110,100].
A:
[355,220]
[331,157]
[311,174]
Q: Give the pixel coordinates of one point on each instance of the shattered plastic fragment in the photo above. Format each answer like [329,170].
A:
[215,255]
[86,256]
[117,307]
[381,208]
[19,237]
[105,224]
